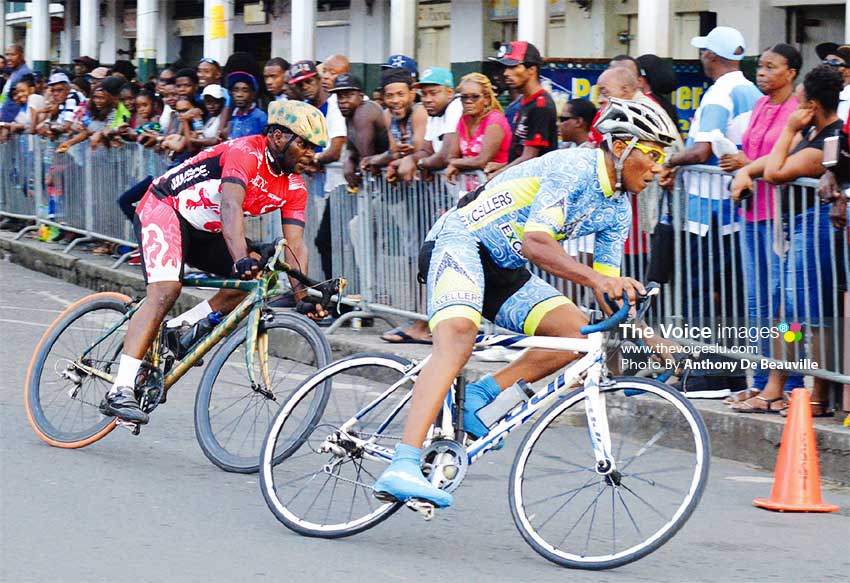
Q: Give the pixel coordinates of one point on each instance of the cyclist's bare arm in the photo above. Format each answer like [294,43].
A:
[233,220]
[548,254]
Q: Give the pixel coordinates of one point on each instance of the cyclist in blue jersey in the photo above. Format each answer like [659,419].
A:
[475,258]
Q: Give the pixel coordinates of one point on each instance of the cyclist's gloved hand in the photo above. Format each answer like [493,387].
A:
[312,310]
[246,268]
[264,250]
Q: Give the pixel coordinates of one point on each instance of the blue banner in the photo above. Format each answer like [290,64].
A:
[570,80]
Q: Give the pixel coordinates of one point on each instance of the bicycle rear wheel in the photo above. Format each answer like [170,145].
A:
[61,399]
[323,486]
[577,518]
[231,417]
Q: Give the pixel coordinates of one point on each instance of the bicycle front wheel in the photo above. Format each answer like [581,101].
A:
[61,398]
[323,486]
[577,518]
[231,416]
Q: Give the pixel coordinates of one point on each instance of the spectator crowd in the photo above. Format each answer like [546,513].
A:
[416,123]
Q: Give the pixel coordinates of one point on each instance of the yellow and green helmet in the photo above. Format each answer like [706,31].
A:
[302,119]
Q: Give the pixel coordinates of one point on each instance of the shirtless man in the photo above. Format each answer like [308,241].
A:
[365,125]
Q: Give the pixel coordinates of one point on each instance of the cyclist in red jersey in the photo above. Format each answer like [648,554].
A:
[194,214]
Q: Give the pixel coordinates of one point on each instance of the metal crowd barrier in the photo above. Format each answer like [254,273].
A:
[717,279]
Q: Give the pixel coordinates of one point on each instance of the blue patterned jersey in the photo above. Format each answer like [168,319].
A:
[566,194]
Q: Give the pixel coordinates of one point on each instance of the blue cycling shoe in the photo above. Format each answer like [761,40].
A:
[403,480]
[478,395]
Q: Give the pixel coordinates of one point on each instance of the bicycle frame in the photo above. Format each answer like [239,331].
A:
[257,290]
[591,365]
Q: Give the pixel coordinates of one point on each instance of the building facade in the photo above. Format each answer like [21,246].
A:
[456,33]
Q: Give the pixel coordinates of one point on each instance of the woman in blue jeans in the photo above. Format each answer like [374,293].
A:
[777,70]
[809,294]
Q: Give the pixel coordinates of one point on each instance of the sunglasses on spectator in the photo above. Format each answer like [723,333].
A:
[167,80]
[209,61]
[567,117]
[473,97]
[835,63]
[657,155]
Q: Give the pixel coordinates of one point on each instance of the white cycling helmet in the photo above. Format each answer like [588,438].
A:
[633,121]
[624,117]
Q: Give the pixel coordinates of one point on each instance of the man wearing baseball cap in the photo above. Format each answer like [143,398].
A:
[59,86]
[725,108]
[306,83]
[366,127]
[436,88]
[535,124]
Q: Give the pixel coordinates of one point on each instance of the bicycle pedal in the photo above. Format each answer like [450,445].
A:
[423,507]
[130,426]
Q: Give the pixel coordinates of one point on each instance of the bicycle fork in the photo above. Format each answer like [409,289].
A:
[597,422]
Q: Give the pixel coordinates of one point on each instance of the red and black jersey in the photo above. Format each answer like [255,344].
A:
[535,124]
[193,188]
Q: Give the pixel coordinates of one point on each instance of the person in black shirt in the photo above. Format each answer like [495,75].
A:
[535,124]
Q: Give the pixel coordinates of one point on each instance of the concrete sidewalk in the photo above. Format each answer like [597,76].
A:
[752,439]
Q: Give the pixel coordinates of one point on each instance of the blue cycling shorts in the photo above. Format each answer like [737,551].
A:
[464,282]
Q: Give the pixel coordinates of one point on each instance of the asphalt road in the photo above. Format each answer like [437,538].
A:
[152,508]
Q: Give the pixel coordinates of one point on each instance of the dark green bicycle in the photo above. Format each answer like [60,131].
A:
[249,377]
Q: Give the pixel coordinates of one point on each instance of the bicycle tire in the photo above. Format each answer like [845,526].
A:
[643,389]
[36,414]
[214,446]
[273,488]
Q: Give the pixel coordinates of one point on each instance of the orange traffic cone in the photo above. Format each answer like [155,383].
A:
[796,480]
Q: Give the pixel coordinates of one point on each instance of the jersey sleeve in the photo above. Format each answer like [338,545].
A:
[295,209]
[540,120]
[240,165]
[610,242]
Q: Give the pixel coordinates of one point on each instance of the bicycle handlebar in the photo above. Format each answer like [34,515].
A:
[621,312]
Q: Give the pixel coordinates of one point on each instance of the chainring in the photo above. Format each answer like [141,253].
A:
[150,388]
[449,459]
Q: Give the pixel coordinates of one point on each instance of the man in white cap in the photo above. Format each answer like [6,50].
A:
[725,108]
[65,99]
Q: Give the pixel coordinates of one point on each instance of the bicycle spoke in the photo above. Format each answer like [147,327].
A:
[629,512]
[651,507]
[592,504]
[562,506]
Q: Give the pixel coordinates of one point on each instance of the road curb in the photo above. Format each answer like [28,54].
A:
[751,439]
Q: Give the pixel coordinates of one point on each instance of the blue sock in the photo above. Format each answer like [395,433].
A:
[407,452]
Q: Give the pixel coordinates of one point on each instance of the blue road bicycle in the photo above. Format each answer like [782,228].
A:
[611,469]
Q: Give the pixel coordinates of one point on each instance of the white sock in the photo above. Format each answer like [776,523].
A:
[128,368]
[192,316]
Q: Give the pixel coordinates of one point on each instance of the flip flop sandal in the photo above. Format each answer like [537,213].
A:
[403,337]
[824,411]
[747,407]
[741,396]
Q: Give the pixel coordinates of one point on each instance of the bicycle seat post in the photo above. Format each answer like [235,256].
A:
[460,399]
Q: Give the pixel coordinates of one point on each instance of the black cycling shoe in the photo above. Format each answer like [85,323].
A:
[172,337]
[123,404]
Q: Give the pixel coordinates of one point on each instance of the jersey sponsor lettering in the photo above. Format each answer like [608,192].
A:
[513,239]
[189,174]
[491,204]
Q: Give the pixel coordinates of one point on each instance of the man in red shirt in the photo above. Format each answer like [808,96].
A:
[194,214]
[536,121]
